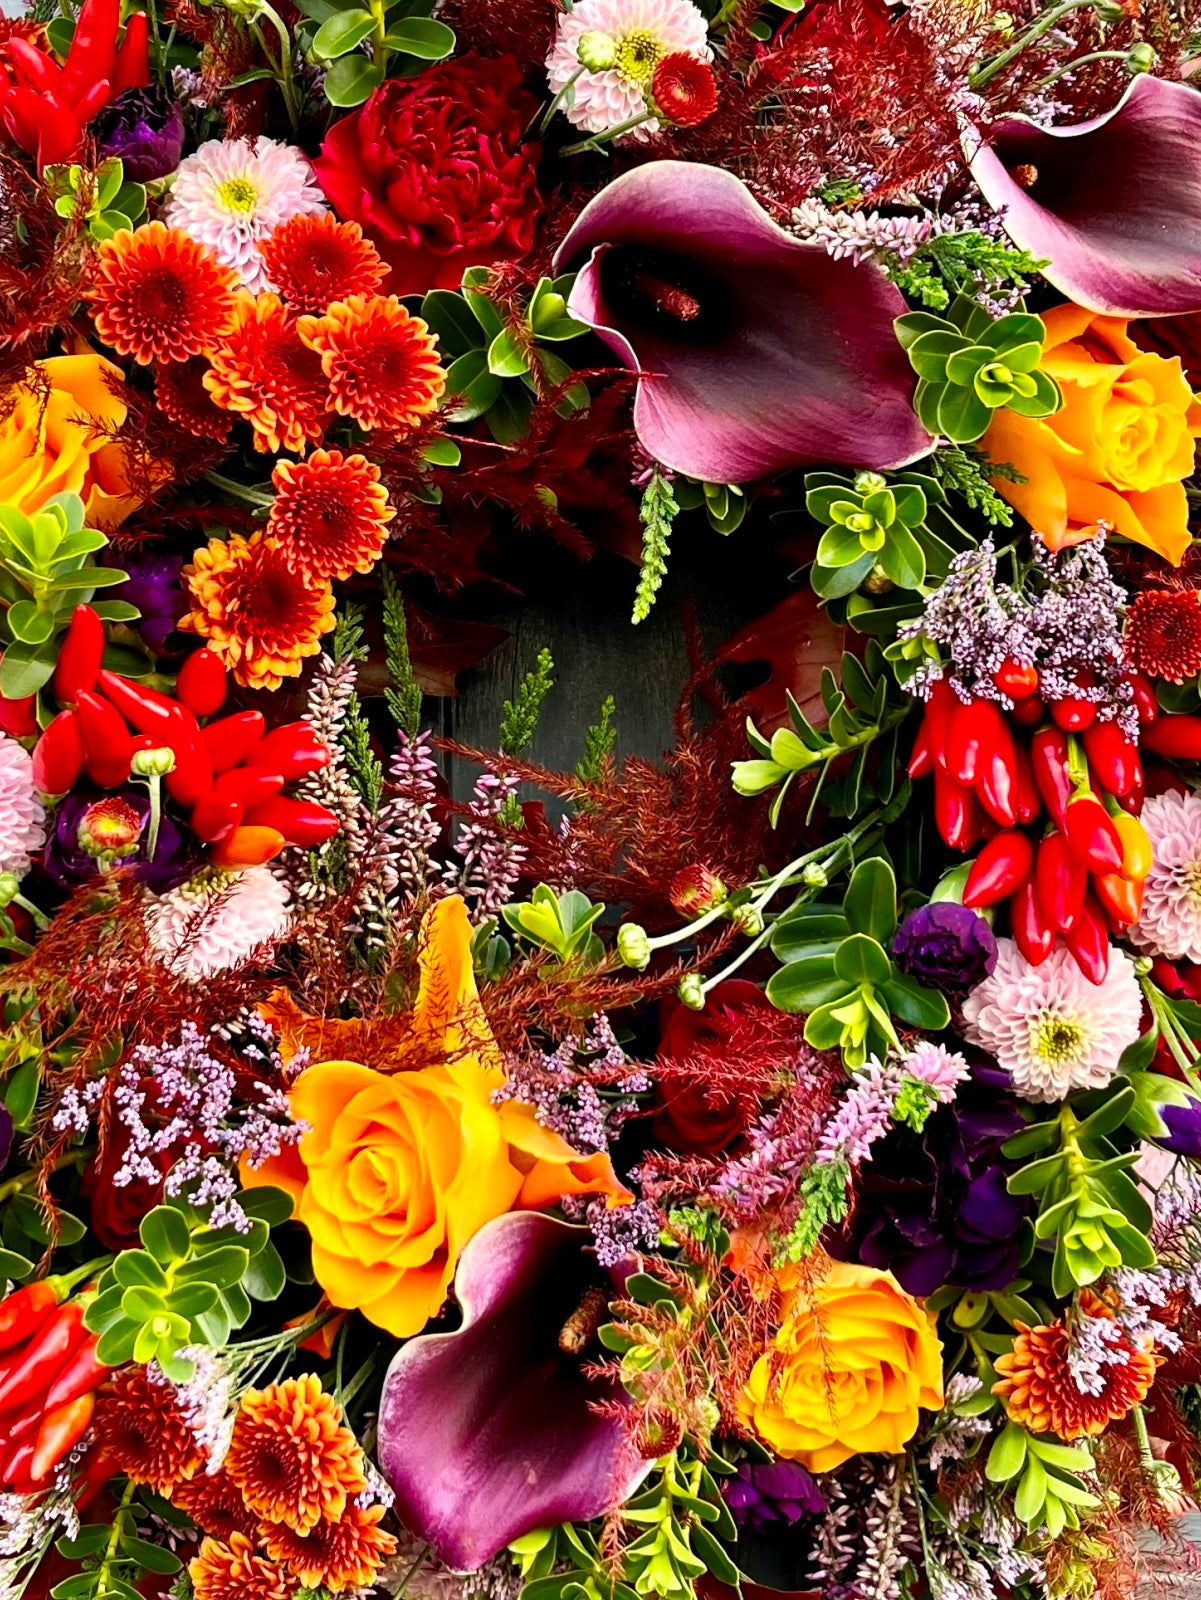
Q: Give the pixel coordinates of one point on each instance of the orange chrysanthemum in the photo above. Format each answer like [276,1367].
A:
[143,1433]
[183,399]
[381,364]
[259,615]
[1041,1393]
[159,296]
[345,1554]
[292,1457]
[331,514]
[315,260]
[262,371]
[214,1503]
[234,1572]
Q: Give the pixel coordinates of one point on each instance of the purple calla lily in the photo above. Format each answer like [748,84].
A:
[756,352]
[487,1433]
[1114,203]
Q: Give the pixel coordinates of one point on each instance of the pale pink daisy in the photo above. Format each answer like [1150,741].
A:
[1170,921]
[232,193]
[218,920]
[1051,1029]
[636,35]
[22,814]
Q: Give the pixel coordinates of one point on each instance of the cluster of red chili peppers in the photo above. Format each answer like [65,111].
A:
[49,1375]
[1083,878]
[45,106]
[227,774]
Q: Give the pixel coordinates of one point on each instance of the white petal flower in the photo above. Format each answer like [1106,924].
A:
[643,32]
[1052,1029]
[1170,921]
[22,815]
[232,193]
[212,924]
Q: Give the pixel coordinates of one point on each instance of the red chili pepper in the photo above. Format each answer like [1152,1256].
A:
[79,657]
[95,99]
[93,49]
[1175,736]
[997,777]
[24,1311]
[921,760]
[1088,940]
[1073,714]
[44,1357]
[957,812]
[19,718]
[249,786]
[61,1428]
[1112,758]
[131,69]
[294,749]
[1091,835]
[1027,801]
[231,740]
[214,818]
[968,740]
[192,775]
[36,68]
[18,1459]
[1120,898]
[145,708]
[1060,882]
[58,755]
[1032,933]
[1002,866]
[1017,679]
[1049,758]
[248,847]
[302,822]
[107,742]
[1144,698]
[940,707]
[81,1375]
[202,683]
[1027,713]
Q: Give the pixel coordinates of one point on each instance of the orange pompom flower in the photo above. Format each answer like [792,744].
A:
[142,1431]
[313,261]
[291,1455]
[1163,633]
[234,1572]
[263,372]
[340,1555]
[260,616]
[381,364]
[214,1503]
[331,514]
[183,399]
[1040,1391]
[160,296]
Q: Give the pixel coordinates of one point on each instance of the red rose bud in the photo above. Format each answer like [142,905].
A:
[683,89]
[79,657]
[1049,758]
[1017,679]
[1088,941]
[696,890]
[202,683]
[58,755]
[1091,835]
[1112,759]
[302,822]
[1032,932]
[957,812]
[1178,737]
[1060,882]
[1002,866]
[227,743]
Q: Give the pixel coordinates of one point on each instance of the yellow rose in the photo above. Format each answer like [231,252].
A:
[56,437]
[399,1170]
[854,1361]
[1115,452]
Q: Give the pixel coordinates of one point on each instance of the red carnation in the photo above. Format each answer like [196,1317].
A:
[434,170]
[683,89]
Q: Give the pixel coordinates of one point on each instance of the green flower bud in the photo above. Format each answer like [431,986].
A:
[153,763]
[597,51]
[10,888]
[748,920]
[869,482]
[692,991]
[633,946]
[1141,58]
[814,875]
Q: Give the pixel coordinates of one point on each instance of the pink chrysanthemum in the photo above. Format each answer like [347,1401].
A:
[1052,1029]
[214,923]
[1170,921]
[233,193]
[22,815]
[641,33]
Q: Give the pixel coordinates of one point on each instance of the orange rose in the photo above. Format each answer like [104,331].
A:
[400,1170]
[1115,452]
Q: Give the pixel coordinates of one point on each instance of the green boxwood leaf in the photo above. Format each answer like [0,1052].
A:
[165,1234]
[421,36]
[861,959]
[340,34]
[351,80]
[870,903]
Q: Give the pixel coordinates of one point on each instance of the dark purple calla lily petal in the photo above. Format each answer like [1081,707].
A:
[487,1433]
[1113,203]
[758,352]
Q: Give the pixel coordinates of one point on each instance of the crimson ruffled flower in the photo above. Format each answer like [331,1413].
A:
[380,363]
[435,170]
[313,261]
[1163,633]
[160,296]
[683,89]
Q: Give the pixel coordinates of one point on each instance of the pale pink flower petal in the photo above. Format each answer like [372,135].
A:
[213,924]
[22,815]
[1170,922]
[644,31]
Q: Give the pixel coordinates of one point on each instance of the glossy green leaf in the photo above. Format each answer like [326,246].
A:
[870,902]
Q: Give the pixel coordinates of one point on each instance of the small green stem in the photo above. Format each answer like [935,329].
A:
[599,140]
[245,492]
[39,917]
[539,124]
[1044,24]
[26,1180]
[379,48]
[1080,61]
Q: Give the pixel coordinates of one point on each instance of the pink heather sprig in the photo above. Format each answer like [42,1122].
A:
[864,1115]
[491,860]
[411,815]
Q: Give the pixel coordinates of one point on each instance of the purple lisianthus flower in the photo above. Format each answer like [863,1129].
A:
[1166,1112]
[933,1207]
[1113,204]
[144,128]
[764,1494]
[153,586]
[946,946]
[489,1432]
[756,352]
[96,830]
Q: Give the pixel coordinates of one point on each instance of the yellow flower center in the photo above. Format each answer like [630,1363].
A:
[638,54]
[1056,1039]
[238,194]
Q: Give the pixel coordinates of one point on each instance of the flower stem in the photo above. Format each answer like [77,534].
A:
[26,1180]
[247,493]
[1044,24]
[540,123]
[1080,61]
[599,140]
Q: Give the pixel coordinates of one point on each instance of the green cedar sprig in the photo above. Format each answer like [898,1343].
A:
[966,472]
[366,771]
[599,743]
[519,718]
[658,512]
[403,697]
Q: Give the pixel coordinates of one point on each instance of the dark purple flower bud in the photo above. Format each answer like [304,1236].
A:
[946,946]
[1183,1124]
[96,831]
[770,1492]
[144,127]
[153,586]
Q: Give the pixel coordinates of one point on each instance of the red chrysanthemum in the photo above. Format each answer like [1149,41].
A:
[346,1554]
[293,1457]
[262,371]
[142,1432]
[313,261]
[684,90]
[380,362]
[183,399]
[1163,633]
[331,514]
[159,296]
[234,1571]
[214,1503]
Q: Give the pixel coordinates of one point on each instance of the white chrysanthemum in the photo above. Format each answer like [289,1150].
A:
[22,815]
[1051,1029]
[206,927]
[642,33]
[232,193]
[1170,921]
